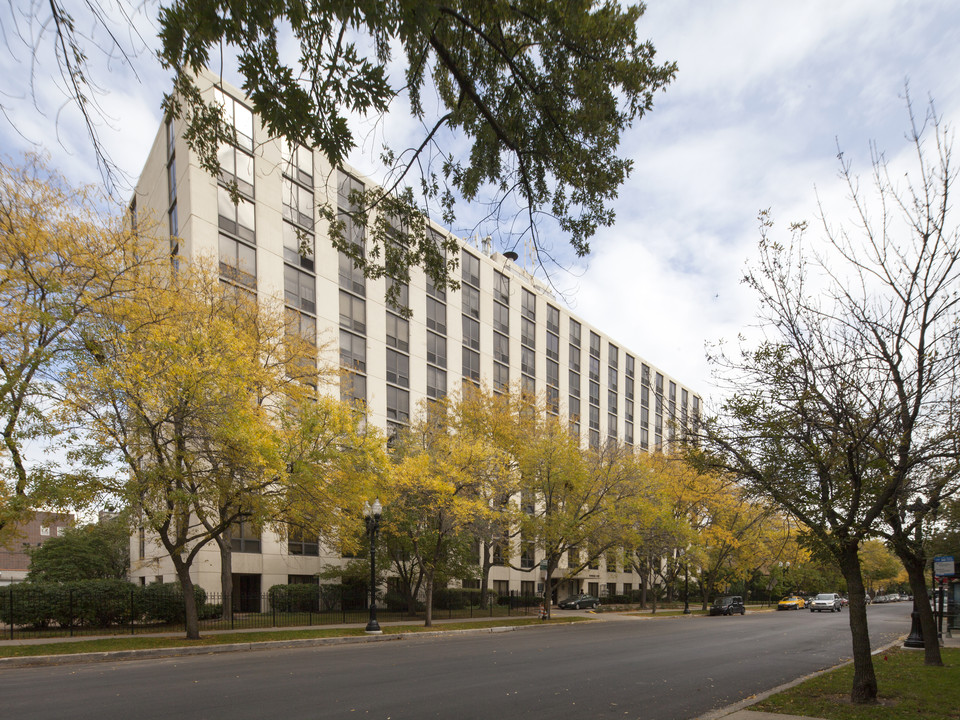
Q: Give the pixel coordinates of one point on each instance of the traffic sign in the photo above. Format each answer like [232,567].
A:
[943,566]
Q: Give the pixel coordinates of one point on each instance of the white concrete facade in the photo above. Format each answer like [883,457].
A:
[503,325]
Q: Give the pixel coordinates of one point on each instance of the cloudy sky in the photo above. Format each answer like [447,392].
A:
[764,93]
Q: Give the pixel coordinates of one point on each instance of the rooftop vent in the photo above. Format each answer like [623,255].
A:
[511,255]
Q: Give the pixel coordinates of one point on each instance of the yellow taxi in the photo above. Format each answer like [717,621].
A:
[791,602]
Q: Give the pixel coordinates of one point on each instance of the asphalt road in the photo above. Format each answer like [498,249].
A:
[662,669]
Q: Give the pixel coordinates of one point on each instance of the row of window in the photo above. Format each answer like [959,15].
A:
[238,265]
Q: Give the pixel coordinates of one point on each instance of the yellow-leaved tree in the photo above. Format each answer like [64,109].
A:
[193,406]
[62,253]
[432,500]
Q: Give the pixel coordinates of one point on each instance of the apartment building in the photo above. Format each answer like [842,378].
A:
[36,530]
[502,327]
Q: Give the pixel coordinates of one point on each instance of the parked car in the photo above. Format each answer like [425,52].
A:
[844,601]
[579,602]
[728,605]
[791,602]
[826,601]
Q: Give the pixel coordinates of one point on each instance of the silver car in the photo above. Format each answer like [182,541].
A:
[826,601]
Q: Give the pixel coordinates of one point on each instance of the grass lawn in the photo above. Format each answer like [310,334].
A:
[146,642]
[907,689]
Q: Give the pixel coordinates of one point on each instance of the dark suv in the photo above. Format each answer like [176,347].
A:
[728,605]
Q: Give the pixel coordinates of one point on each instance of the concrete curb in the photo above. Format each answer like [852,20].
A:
[153,653]
[754,699]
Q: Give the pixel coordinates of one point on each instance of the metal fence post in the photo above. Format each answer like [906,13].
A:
[133,610]
[71,612]
[11,611]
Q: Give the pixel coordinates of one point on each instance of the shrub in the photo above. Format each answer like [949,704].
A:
[91,603]
[163,602]
[455,598]
[301,597]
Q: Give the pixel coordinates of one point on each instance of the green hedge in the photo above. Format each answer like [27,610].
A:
[455,598]
[93,603]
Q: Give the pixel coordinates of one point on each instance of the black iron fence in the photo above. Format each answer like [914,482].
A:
[112,608]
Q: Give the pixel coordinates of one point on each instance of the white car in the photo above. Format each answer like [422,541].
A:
[826,601]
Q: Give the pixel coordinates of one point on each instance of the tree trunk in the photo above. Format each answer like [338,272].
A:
[226,574]
[548,592]
[916,567]
[864,690]
[484,574]
[428,622]
[189,599]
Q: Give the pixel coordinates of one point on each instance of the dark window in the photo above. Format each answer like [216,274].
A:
[238,262]
[612,378]
[398,332]
[436,382]
[353,351]
[574,332]
[501,318]
[471,301]
[237,117]
[402,292]
[553,346]
[236,218]
[594,388]
[553,319]
[353,312]
[501,288]
[628,410]
[630,366]
[471,365]
[553,400]
[611,401]
[436,316]
[628,387]
[435,292]
[529,305]
[501,348]
[528,332]
[594,344]
[243,538]
[528,361]
[398,404]
[297,163]
[353,388]
[628,433]
[553,373]
[594,372]
[298,543]
[436,349]
[501,377]
[611,426]
[398,368]
[236,166]
[351,277]
[574,384]
[528,385]
[298,246]
[613,356]
[471,333]
[471,269]
[300,289]
[575,358]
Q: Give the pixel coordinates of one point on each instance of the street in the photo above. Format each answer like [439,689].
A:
[660,669]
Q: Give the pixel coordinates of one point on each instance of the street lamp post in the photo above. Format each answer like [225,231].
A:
[371,516]
[686,587]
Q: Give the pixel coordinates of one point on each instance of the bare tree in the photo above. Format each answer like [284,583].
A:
[844,414]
